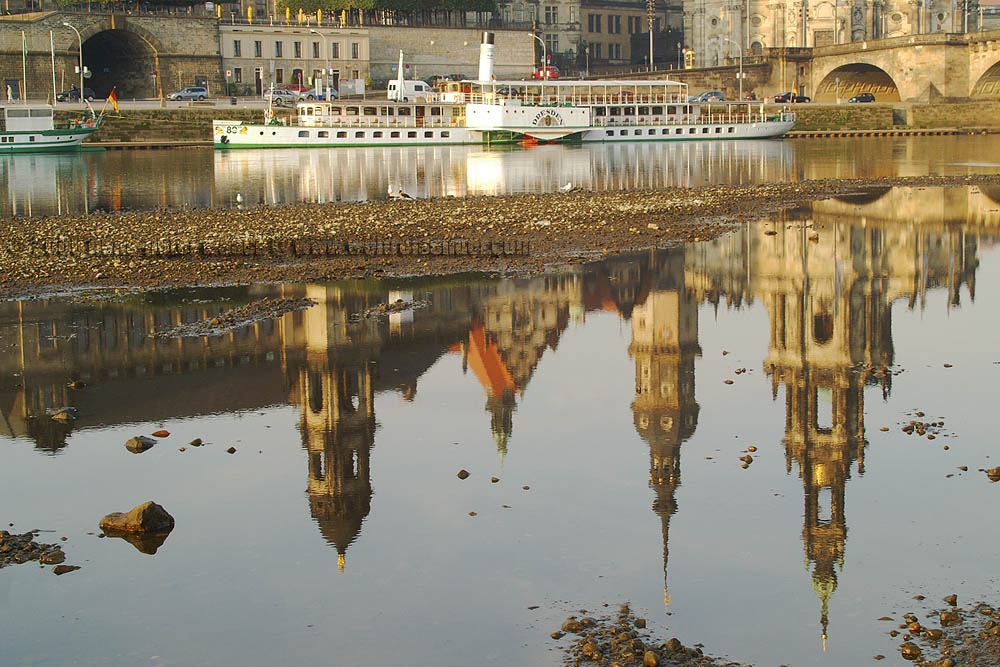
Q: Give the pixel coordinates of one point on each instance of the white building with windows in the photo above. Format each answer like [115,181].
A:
[259,55]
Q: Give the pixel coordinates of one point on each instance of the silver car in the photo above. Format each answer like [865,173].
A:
[282,97]
[189,93]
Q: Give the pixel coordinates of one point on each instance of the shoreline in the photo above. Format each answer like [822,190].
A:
[312,242]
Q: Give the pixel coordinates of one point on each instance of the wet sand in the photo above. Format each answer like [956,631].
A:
[310,242]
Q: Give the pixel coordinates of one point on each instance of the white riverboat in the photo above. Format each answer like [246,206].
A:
[511,111]
[489,111]
[32,129]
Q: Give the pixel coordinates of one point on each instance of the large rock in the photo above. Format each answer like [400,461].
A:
[139,444]
[146,518]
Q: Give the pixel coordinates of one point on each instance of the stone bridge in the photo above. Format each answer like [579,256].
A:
[918,68]
[140,55]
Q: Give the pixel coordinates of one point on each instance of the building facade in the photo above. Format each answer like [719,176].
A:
[582,31]
[718,29]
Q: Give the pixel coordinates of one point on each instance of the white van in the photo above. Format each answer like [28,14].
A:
[411,90]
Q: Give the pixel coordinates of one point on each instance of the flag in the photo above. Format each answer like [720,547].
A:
[114,100]
[795,90]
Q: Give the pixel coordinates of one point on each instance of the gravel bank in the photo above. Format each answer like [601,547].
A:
[306,242]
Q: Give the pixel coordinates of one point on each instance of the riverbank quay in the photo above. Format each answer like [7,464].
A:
[314,242]
[194,123]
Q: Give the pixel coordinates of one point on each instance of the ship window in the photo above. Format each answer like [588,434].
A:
[359,135]
[32,138]
[643,111]
[394,135]
[352,111]
[657,111]
[637,132]
[600,111]
[377,135]
[446,134]
[403,111]
[435,111]
[335,111]
[664,131]
[623,132]
[614,111]
[718,130]
[678,131]
[651,132]
[303,133]
[411,135]
[610,133]
[704,130]
[40,113]
[387,111]
[323,134]
[17,113]
[629,111]
[428,134]
[692,130]
[671,111]
[730,129]
[342,135]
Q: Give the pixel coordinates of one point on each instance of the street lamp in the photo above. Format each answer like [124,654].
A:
[740,75]
[326,50]
[650,13]
[545,59]
[79,40]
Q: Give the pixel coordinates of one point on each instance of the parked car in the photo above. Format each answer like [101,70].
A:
[863,97]
[280,97]
[712,96]
[784,98]
[295,87]
[539,73]
[189,93]
[320,94]
[73,95]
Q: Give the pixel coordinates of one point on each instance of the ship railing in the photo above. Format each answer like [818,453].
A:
[704,119]
[379,121]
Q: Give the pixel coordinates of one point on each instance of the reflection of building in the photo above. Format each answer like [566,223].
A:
[664,345]
[829,292]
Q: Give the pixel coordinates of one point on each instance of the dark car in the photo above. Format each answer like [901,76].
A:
[73,95]
[863,97]
[784,98]
[712,96]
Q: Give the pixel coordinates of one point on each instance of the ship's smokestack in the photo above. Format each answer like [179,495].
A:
[486,57]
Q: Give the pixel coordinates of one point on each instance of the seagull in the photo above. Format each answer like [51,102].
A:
[566,188]
[239,197]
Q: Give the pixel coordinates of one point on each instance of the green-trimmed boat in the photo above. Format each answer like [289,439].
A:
[32,129]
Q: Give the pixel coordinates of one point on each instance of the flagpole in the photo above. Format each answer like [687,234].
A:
[52,50]
[24,68]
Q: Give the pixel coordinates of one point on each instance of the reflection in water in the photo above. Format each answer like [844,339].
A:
[112,180]
[827,275]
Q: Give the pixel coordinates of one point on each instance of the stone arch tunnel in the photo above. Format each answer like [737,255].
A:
[122,60]
[854,79]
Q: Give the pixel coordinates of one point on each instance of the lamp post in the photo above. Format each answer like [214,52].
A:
[326,50]
[740,75]
[545,59]
[79,40]
[650,13]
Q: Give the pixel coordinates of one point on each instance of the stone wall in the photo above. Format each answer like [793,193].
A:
[441,50]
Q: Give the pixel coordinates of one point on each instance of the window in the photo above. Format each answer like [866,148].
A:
[359,135]
[428,134]
[411,135]
[316,50]
[394,135]
[303,133]
[596,51]
[335,50]
[237,48]
[552,43]
[519,12]
[355,49]
[279,76]
[610,133]
[594,22]
[618,51]
[277,49]
[614,24]
[258,49]
[445,134]
[551,14]
[377,134]
[323,134]
[297,46]
[238,74]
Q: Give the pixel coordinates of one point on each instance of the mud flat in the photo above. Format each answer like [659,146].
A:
[309,242]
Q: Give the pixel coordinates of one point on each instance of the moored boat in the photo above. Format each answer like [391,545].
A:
[32,129]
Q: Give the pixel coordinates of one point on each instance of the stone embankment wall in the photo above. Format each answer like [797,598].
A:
[177,124]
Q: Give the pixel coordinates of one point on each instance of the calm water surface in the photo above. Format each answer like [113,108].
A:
[339,533]
[59,184]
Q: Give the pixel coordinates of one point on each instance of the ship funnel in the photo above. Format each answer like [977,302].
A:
[486,57]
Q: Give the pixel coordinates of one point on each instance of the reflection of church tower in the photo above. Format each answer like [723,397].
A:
[665,414]
[338,430]
[829,318]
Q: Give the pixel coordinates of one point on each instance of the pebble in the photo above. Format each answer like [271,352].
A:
[63,569]
[494,480]
[161,433]
[196,442]
[526,487]
[231,450]
[463,473]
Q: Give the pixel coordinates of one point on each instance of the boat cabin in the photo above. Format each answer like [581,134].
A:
[379,114]
[27,118]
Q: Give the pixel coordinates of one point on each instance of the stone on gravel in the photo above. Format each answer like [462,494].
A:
[139,444]
[145,518]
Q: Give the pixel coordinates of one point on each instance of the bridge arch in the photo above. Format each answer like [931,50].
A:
[857,78]
[987,87]
[123,59]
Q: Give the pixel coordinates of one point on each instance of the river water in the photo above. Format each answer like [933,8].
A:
[597,394]
[61,184]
